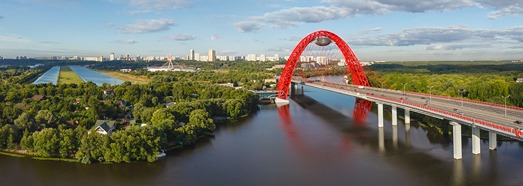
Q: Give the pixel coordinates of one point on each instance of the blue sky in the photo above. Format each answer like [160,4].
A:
[375,29]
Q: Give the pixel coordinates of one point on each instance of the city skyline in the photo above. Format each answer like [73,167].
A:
[374,29]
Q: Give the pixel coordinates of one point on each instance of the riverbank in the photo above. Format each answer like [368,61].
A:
[126,77]
[22,155]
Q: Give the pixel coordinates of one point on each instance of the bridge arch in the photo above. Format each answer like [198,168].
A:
[353,64]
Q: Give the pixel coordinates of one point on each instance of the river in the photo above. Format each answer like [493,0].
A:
[51,76]
[313,142]
[98,78]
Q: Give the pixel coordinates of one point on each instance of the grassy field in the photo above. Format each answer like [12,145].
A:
[126,77]
[67,76]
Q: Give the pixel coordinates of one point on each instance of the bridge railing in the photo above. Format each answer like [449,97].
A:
[516,132]
[444,97]
[470,101]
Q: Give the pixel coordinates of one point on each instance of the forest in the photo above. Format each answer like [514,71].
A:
[483,81]
[56,121]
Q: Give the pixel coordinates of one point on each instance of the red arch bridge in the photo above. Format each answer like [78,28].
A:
[494,118]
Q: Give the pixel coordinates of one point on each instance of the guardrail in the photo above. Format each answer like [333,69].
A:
[469,100]
[516,132]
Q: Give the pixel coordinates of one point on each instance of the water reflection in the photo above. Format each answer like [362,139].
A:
[381,140]
[395,137]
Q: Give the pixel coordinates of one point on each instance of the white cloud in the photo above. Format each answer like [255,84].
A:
[290,17]
[147,6]
[384,6]
[247,26]
[215,37]
[436,37]
[370,30]
[455,47]
[13,38]
[147,26]
[182,37]
[127,41]
[342,9]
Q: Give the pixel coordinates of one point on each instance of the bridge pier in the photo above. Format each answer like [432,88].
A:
[407,116]
[380,115]
[492,140]
[456,140]
[394,115]
[476,140]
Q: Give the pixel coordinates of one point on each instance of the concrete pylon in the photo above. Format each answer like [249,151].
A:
[394,115]
[407,116]
[476,142]
[456,140]
[492,140]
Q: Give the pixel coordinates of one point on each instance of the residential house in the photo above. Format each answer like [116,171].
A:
[104,126]
[38,97]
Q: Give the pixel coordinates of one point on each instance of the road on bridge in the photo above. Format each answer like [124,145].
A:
[464,108]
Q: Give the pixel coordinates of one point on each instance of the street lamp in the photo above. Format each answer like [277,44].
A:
[430,93]
[404,92]
[461,92]
[505,104]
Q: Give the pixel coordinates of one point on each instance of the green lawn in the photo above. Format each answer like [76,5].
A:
[67,76]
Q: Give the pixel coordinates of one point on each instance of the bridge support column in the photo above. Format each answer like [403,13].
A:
[394,115]
[476,143]
[407,116]
[380,115]
[492,140]
[456,139]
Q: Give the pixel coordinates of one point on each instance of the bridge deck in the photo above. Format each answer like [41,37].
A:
[487,116]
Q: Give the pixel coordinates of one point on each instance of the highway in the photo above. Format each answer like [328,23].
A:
[485,115]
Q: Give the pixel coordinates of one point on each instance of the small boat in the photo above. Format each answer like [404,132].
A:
[161,155]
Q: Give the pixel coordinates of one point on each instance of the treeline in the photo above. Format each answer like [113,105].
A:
[472,81]
[449,67]
[20,74]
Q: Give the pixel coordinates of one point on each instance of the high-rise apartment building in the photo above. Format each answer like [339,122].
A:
[111,57]
[212,55]
[191,55]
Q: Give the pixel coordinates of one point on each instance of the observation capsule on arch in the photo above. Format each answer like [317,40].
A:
[322,41]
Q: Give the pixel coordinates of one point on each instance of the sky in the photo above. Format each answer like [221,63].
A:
[391,30]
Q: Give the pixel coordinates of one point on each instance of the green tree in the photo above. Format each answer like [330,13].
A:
[46,118]
[25,122]
[200,119]
[46,142]
[160,115]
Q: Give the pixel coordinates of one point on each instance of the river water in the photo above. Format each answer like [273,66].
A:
[98,78]
[313,142]
[51,76]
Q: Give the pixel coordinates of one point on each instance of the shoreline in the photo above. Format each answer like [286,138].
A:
[21,155]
